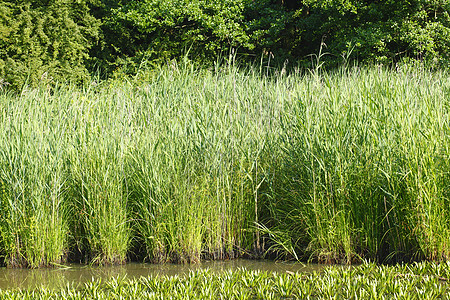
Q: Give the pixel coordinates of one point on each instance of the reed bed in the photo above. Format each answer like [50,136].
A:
[368,281]
[182,163]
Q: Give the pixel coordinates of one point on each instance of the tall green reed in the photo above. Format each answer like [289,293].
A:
[364,165]
[195,169]
[181,163]
[33,222]
[97,155]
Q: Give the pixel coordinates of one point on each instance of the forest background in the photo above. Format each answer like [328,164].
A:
[70,40]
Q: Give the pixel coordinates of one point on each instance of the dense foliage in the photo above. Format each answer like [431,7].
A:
[383,31]
[61,39]
[45,41]
[164,29]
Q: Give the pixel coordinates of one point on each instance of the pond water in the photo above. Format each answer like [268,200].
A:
[74,274]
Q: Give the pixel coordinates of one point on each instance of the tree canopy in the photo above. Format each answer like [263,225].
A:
[45,40]
[64,39]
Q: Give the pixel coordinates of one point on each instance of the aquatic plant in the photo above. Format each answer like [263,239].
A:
[181,163]
[368,281]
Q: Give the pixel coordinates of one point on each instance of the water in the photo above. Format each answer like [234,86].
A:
[76,275]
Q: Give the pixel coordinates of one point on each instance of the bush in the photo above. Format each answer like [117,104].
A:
[376,31]
[45,40]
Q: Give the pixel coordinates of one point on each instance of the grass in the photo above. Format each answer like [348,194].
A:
[368,281]
[182,163]
[369,153]
[33,225]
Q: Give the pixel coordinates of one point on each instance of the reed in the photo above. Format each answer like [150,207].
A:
[193,172]
[181,163]
[97,153]
[365,166]
[33,204]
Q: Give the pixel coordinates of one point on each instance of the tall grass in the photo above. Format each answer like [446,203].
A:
[182,163]
[194,175]
[99,145]
[33,223]
[365,169]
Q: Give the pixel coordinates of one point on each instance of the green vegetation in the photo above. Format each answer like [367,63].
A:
[33,215]
[368,281]
[43,41]
[183,163]
[375,31]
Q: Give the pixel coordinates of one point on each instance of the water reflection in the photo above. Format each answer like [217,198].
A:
[76,275]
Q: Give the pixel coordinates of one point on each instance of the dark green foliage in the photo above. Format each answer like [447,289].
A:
[44,41]
[373,31]
[156,29]
[378,31]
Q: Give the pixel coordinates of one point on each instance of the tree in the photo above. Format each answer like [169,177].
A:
[45,40]
[380,31]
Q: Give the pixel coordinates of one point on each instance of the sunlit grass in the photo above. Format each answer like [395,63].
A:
[182,163]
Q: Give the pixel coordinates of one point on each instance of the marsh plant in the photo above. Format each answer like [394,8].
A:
[33,224]
[368,281]
[181,163]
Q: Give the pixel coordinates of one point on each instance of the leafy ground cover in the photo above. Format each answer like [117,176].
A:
[367,281]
